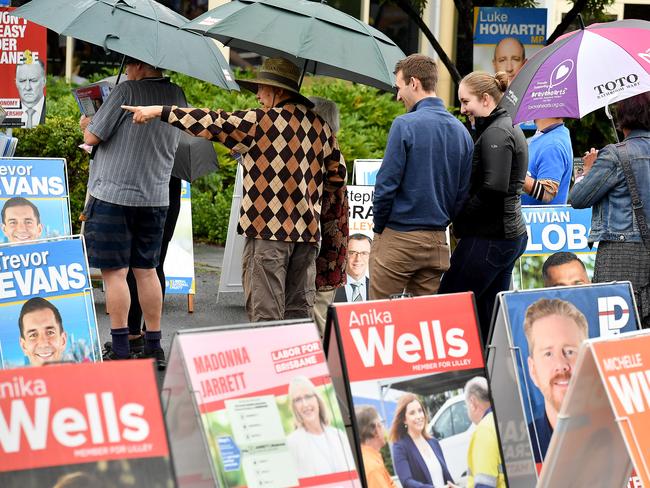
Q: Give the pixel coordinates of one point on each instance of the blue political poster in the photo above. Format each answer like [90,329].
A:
[546,329]
[48,312]
[551,229]
[34,199]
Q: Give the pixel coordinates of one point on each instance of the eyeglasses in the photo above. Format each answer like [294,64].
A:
[359,253]
[304,398]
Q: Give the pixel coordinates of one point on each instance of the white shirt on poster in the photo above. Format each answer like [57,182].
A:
[319,454]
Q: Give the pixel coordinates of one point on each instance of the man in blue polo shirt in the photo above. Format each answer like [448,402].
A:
[421,185]
[550,164]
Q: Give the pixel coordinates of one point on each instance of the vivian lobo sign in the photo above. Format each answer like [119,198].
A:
[551,229]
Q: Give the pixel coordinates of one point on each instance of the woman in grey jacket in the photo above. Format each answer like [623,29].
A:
[622,253]
[490,226]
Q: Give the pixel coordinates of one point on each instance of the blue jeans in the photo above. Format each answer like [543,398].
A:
[483,266]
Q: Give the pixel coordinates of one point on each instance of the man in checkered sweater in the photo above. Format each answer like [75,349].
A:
[290,160]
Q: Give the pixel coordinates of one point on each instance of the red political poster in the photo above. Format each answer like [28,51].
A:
[421,353]
[23,55]
[99,424]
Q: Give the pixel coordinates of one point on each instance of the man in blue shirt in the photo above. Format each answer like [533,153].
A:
[550,164]
[421,185]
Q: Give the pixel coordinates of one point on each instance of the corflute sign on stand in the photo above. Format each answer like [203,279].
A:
[532,357]
[604,423]
[179,264]
[258,407]
[551,229]
[34,199]
[89,425]
[388,354]
[48,312]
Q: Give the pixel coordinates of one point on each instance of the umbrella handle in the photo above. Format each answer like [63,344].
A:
[105,44]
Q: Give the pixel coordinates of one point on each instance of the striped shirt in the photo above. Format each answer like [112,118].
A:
[290,157]
[133,163]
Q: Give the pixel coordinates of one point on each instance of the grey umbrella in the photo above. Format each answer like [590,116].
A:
[142,29]
[320,39]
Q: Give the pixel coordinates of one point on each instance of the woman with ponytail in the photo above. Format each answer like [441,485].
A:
[490,226]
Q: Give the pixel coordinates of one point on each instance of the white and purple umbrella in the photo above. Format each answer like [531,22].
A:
[582,71]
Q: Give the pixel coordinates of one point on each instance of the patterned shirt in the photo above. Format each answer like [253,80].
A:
[289,156]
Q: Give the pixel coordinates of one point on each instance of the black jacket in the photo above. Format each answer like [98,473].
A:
[499,165]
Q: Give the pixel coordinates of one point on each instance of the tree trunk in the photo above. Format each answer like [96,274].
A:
[567,20]
[417,18]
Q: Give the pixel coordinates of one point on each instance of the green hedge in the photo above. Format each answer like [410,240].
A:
[366,115]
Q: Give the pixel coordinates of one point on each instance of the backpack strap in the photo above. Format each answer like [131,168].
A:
[637,203]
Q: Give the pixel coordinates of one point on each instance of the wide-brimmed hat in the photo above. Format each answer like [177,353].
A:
[280,73]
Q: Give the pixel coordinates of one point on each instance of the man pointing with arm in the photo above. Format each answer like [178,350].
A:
[290,159]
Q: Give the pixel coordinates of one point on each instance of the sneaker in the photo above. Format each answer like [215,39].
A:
[136,345]
[110,355]
[158,355]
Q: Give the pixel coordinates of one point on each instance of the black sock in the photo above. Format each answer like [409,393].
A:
[151,341]
[121,342]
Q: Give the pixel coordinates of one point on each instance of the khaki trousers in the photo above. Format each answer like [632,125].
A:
[407,261]
[278,279]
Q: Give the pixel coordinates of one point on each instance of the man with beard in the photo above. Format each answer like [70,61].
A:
[554,329]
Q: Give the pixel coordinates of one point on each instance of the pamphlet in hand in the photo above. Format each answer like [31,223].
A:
[90,97]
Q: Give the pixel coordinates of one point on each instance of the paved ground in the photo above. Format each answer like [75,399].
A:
[207,312]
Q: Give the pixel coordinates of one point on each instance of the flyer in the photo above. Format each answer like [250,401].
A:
[91,97]
[268,411]
[48,313]
[96,425]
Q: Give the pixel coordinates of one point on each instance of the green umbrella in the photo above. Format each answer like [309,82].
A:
[141,29]
[316,37]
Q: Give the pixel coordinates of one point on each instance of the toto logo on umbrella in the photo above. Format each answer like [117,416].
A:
[617,85]
[561,73]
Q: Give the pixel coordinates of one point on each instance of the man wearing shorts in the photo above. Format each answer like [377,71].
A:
[129,196]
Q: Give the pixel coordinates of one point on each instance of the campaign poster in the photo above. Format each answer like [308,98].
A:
[546,328]
[267,408]
[34,199]
[23,58]
[90,425]
[419,352]
[360,209]
[179,263]
[551,229]
[48,313]
[505,38]
[365,171]
[624,368]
